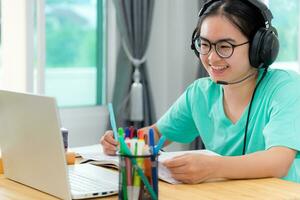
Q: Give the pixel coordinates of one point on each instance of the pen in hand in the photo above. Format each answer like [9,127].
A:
[159,145]
[113,121]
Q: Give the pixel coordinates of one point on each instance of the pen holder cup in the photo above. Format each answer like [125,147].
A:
[140,180]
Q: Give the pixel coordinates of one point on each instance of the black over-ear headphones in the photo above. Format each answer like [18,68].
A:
[264,47]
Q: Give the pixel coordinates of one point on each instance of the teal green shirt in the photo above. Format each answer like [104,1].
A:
[274,118]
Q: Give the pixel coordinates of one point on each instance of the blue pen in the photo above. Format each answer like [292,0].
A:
[151,140]
[160,144]
[127,132]
[113,121]
[153,161]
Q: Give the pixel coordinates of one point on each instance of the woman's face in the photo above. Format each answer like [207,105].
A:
[237,66]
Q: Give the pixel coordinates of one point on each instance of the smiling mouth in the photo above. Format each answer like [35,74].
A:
[218,69]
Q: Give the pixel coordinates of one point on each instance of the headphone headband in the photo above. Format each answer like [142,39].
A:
[265,11]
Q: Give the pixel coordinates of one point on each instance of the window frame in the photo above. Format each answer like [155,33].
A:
[101,53]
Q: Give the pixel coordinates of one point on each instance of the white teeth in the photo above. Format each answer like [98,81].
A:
[218,68]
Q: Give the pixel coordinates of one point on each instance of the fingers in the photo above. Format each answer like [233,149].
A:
[146,131]
[108,143]
[180,177]
[109,137]
[177,161]
[108,148]
[178,170]
[186,179]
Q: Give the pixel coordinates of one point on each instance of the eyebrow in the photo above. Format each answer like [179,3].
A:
[221,40]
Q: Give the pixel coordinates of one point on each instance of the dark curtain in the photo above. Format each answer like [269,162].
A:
[132,98]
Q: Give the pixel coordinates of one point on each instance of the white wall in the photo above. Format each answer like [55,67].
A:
[85,125]
[17,45]
[172,64]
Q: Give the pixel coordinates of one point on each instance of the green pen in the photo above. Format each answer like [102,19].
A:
[123,168]
[121,132]
[124,182]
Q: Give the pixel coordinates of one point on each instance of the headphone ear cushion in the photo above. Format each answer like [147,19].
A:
[270,47]
[264,48]
[255,48]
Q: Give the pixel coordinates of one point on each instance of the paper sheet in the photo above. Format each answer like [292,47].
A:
[164,173]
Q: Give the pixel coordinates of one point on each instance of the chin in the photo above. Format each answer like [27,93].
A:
[213,78]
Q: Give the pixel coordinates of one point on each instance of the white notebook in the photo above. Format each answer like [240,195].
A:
[93,154]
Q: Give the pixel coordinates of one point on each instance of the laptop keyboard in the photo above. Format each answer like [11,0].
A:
[82,184]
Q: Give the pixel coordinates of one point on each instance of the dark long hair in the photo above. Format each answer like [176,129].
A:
[246,17]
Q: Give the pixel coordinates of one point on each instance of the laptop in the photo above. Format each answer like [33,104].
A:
[33,153]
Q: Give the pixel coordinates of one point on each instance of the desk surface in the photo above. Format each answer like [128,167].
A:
[270,188]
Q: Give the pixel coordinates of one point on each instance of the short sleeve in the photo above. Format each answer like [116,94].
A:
[283,128]
[177,123]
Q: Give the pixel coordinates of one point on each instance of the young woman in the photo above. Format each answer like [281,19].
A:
[244,111]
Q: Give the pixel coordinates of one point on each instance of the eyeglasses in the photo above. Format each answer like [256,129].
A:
[223,48]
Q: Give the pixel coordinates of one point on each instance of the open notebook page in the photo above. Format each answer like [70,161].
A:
[93,154]
[163,172]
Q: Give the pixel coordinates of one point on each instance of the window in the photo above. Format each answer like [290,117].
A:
[74,34]
[74,29]
[286,20]
[74,51]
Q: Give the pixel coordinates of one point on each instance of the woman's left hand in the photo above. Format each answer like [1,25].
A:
[192,168]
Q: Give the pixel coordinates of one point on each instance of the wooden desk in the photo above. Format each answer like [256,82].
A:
[271,188]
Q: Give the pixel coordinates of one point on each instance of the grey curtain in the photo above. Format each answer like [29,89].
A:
[132,98]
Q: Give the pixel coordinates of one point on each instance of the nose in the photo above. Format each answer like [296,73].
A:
[213,56]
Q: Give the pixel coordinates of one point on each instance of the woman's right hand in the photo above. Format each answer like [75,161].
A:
[108,143]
